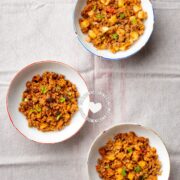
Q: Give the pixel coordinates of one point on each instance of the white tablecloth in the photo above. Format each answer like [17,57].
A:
[144,88]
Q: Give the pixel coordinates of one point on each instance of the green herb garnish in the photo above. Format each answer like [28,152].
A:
[130,150]
[123,172]
[62,99]
[115,36]
[31,110]
[58,116]
[43,89]
[107,167]
[100,16]
[137,169]
[38,109]
[122,15]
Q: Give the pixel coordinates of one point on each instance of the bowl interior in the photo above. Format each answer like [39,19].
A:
[147,6]
[15,95]
[155,141]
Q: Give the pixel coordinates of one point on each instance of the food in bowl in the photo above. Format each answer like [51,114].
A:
[113,24]
[49,101]
[128,156]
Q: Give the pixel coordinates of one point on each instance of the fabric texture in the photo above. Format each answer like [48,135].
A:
[142,89]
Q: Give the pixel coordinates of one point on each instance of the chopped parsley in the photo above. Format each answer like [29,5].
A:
[137,169]
[100,16]
[122,15]
[115,36]
[62,99]
[123,172]
[43,89]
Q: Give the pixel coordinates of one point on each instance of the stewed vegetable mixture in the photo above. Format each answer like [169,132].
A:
[128,157]
[113,24]
[49,101]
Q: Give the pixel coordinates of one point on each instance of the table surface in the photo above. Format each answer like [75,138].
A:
[142,89]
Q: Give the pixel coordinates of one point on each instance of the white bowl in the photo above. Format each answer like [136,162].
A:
[14,97]
[137,46]
[155,141]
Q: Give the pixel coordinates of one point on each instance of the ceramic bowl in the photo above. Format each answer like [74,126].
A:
[14,96]
[154,139]
[106,54]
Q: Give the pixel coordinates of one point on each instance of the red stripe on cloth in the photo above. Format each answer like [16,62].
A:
[123,91]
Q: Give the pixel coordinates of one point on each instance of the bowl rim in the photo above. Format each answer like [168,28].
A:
[119,125]
[21,71]
[108,58]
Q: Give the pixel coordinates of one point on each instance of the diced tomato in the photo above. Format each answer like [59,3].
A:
[110,9]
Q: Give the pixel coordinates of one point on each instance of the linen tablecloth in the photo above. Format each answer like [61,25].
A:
[144,88]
